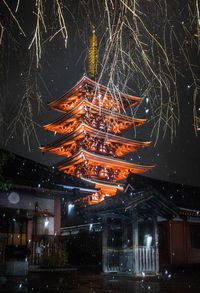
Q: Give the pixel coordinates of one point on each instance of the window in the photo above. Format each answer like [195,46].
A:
[145,233]
[195,235]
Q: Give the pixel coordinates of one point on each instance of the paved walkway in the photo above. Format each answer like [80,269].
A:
[71,282]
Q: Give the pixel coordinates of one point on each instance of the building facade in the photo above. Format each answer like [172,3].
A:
[152,225]
[30,205]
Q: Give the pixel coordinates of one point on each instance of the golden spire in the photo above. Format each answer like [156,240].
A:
[92,62]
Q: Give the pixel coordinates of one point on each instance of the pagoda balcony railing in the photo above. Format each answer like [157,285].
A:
[98,152]
[96,177]
[103,127]
[140,259]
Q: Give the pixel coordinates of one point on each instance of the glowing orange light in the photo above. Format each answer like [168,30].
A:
[92,143]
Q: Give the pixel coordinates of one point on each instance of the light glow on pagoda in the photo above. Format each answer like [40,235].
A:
[92,145]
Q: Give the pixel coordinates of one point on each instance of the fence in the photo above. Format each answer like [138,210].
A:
[147,259]
[3,242]
[41,249]
[126,260]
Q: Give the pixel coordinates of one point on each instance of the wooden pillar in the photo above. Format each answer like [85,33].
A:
[35,222]
[156,244]
[135,242]
[185,240]
[13,231]
[124,235]
[105,246]
[29,230]
[21,231]
[57,214]
[170,241]
[123,260]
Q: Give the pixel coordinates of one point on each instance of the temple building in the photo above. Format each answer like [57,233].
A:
[150,227]
[31,196]
[92,144]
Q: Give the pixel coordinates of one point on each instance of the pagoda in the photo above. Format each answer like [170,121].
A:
[92,146]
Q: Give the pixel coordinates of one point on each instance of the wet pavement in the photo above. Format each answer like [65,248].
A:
[81,282]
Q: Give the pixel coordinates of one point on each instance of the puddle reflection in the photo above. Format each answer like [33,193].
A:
[82,283]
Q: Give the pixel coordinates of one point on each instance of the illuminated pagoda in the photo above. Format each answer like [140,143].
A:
[92,145]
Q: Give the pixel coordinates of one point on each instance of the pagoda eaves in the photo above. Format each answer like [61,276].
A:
[72,119]
[67,145]
[79,92]
[119,168]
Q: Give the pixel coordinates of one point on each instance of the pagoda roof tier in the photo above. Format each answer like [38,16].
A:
[103,184]
[105,189]
[116,122]
[84,162]
[96,93]
[67,145]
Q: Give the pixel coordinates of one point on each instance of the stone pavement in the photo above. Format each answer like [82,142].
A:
[183,281]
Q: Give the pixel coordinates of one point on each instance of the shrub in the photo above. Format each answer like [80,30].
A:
[54,260]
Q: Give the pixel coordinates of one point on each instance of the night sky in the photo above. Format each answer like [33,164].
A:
[60,68]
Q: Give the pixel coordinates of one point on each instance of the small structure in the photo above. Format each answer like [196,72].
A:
[179,234]
[30,206]
[93,122]
[152,224]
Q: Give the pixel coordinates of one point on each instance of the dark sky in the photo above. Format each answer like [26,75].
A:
[60,69]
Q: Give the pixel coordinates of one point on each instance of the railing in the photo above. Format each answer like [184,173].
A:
[39,249]
[139,259]
[3,242]
[119,260]
[146,259]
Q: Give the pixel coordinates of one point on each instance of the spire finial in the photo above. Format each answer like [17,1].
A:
[93,56]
